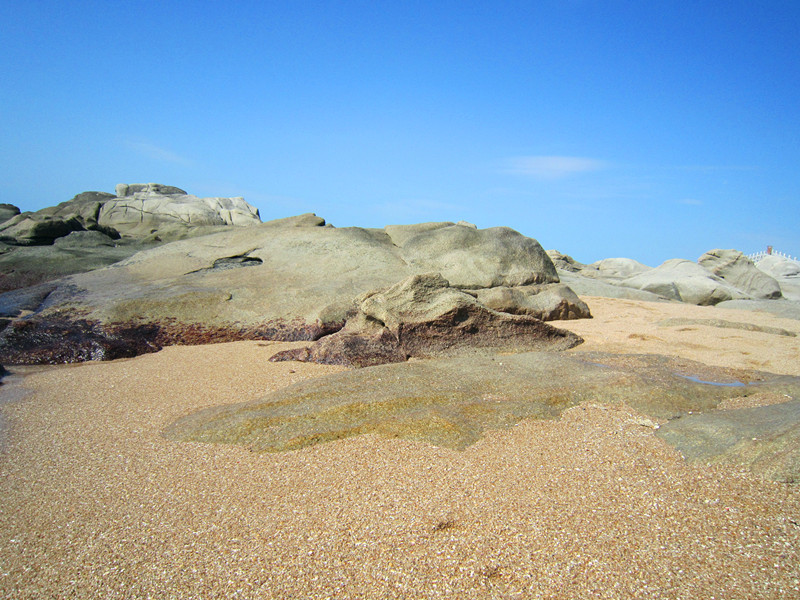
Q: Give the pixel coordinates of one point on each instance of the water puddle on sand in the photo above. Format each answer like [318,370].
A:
[698,380]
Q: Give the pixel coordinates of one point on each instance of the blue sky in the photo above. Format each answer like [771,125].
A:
[651,130]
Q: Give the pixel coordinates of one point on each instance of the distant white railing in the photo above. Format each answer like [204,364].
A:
[759,255]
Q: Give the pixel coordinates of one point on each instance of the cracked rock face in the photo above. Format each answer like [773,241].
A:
[65,239]
[152,211]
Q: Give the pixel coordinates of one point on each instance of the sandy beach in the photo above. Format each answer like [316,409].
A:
[95,503]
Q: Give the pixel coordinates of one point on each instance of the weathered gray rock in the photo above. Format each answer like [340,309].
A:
[53,242]
[171,213]
[289,279]
[422,317]
[30,229]
[144,210]
[8,211]
[548,302]
[782,307]
[130,189]
[83,240]
[765,439]
[78,252]
[779,267]
[683,280]
[786,272]
[564,261]
[472,258]
[27,299]
[588,286]
[740,272]
[451,402]
[614,269]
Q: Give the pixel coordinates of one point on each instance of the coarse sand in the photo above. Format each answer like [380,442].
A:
[95,503]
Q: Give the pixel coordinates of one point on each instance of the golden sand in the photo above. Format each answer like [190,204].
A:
[94,503]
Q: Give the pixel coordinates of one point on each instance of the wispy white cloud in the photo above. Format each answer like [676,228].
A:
[158,153]
[552,167]
[690,202]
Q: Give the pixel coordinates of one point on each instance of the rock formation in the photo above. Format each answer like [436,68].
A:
[290,279]
[423,317]
[33,248]
[7,211]
[614,269]
[765,439]
[718,276]
[739,271]
[564,262]
[451,402]
[685,281]
[171,213]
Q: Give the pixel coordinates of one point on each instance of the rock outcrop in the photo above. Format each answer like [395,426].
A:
[292,279]
[786,272]
[53,242]
[718,276]
[765,439]
[564,262]
[548,302]
[7,211]
[614,269]
[779,267]
[685,281]
[451,402]
[423,317]
[170,213]
[740,272]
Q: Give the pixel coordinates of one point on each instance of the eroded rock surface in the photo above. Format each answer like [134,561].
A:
[422,317]
[685,281]
[739,271]
[291,279]
[97,229]
[451,402]
[766,439]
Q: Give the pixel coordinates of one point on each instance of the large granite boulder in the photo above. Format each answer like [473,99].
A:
[686,281]
[786,272]
[592,286]
[292,279]
[422,317]
[740,272]
[140,211]
[80,251]
[470,257]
